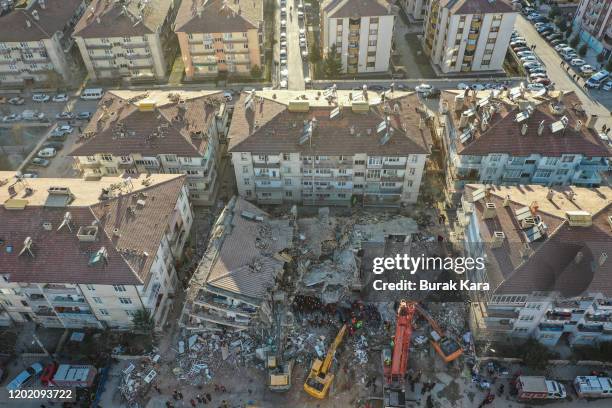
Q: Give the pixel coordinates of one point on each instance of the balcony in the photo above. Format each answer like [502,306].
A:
[389,165]
[223,304]
[101,57]
[60,290]
[99,46]
[586,177]
[202,313]
[235,40]
[132,57]
[202,51]
[551,327]
[598,164]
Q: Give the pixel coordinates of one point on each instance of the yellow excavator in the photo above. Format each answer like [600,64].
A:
[320,379]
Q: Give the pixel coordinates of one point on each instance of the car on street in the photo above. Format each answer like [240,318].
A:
[60,98]
[17,100]
[300,15]
[67,129]
[65,116]
[543,81]
[32,115]
[283,84]
[30,174]
[40,97]
[423,88]
[560,46]
[25,377]
[304,54]
[47,153]
[463,86]
[283,44]
[607,86]
[283,12]
[587,69]
[283,24]
[523,53]
[577,62]
[283,53]
[302,42]
[13,117]
[37,161]
[53,145]
[537,75]
[283,36]
[83,115]
[535,87]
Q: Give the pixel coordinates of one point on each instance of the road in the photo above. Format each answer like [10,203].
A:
[294,60]
[558,74]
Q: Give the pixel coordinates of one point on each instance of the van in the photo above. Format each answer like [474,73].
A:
[597,79]
[92,93]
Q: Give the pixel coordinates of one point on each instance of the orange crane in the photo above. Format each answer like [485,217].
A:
[446,347]
[396,368]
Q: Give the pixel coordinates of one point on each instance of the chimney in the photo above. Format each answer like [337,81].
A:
[550,195]
[602,258]
[498,239]
[524,129]
[489,211]
[541,128]
[28,23]
[591,122]
[578,126]
[507,201]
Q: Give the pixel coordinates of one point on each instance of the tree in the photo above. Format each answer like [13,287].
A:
[568,31]
[554,11]
[314,53]
[143,321]
[535,355]
[582,50]
[255,72]
[563,25]
[332,64]
[609,65]
[574,41]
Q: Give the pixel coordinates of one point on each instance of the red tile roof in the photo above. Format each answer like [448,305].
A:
[218,16]
[477,6]
[356,8]
[59,257]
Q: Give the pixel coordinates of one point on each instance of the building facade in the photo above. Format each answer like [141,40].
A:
[218,36]
[361,31]
[593,23]
[516,139]
[35,42]
[468,35]
[92,253]
[546,252]
[131,40]
[414,9]
[339,149]
[136,132]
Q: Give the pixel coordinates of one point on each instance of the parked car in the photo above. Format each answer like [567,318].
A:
[462,86]
[587,69]
[577,62]
[284,24]
[520,49]
[60,98]
[283,36]
[607,86]
[283,84]
[560,46]
[598,79]
[47,152]
[30,174]
[555,42]
[535,87]
[537,70]
[26,376]
[17,100]
[53,145]
[83,115]
[423,88]
[434,93]
[32,115]
[2,100]
[553,36]
[55,133]
[478,87]
[537,75]
[523,53]
[41,97]
[517,43]
[37,161]
[66,129]
[531,63]
[528,58]
[13,117]
[64,116]
[543,81]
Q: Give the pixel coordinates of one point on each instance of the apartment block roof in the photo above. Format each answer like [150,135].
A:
[151,123]
[356,8]
[477,6]
[122,18]
[566,258]
[52,17]
[218,16]
[126,218]
[503,130]
[269,125]
[242,256]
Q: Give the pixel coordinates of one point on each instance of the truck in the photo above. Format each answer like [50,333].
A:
[593,387]
[73,375]
[535,387]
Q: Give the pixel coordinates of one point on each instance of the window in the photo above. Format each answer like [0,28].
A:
[262,157]
[170,157]
[286,157]
[130,313]
[562,172]
[411,171]
[495,157]
[248,193]
[97,300]
[552,161]
[288,194]
[90,287]
[567,159]
[106,157]
[530,161]
[372,43]
[359,174]
[125,301]
[490,40]
[119,288]
[486,61]
[104,312]
[374,161]
[414,158]
[245,169]
[243,156]
[373,32]
[358,186]
[246,181]
[542,173]
[359,162]
[373,173]
[287,182]
[373,20]
[409,183]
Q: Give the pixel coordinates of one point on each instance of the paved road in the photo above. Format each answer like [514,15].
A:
[557,74]
[294,60]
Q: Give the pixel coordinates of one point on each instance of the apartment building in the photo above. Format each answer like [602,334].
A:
[80,254]
[593,23]
[361,30]
[232,287]
[334,148]
[220,36]
[35,41]
[518,137]
[138,132]
[414,9]
[546,252]
[127,39]
[468,35]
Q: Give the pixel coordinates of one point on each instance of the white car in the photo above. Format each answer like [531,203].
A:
[577,62]
[65,129]
[478,87]
[462,86]
[423,88]
[525,53]
[302,32]
[587,69]
[13,117]
[283,36]
[40,97]
[528,58]
[284,73]
[283,24]
[607,86]
[47,152]
[561,46]
[534,87]
[60,98]
[283,84]
[537,75]
[302,42]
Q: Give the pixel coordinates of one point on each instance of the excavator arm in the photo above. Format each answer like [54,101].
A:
[445,346]
[403,335]
[329,358]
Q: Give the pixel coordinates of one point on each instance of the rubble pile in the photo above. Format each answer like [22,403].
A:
[137,378]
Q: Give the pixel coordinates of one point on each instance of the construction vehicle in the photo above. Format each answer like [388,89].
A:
[279,370]
[395,364]
[320,379]
[446,347]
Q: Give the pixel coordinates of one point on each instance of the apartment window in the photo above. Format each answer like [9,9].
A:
[457,43]
[106,157]
[358,186]
[359,162]
[373,173]
[359,174]
[245,169]
[169,157]
[190,36]
[371,53]
[192,172]
[374,161]
[543,173]
[262,157]
[494,29]
[90,287]
[490,40]
[373,32]
[97,300]
[125,301]
[372,43]
[286,157]
[530,161]
[411,171]
[248,193]
[495,157]
[130,313]
[243,157]
[119,288]
[246,181]
[486,62]
[409,183]
[287,182]
[567,159]
[104,312]
[562,172]
[287,170]
[342,171]
[187,159]
[552,161]
[387,184]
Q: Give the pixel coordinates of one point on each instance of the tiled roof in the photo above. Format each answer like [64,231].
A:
[552,266]
[503,133]
[477,6]
[269,127]
[104,18]
[53,18]
[356,8]
[59,256]
[218,16]
[119,127]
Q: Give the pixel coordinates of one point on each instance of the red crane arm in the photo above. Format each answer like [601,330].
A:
[403,335]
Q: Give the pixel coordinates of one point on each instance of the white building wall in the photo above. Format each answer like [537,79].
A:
[385,39]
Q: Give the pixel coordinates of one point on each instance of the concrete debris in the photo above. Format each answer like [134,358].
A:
[361,350]
[137,378]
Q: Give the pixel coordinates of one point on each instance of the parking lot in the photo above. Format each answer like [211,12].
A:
[28,128]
